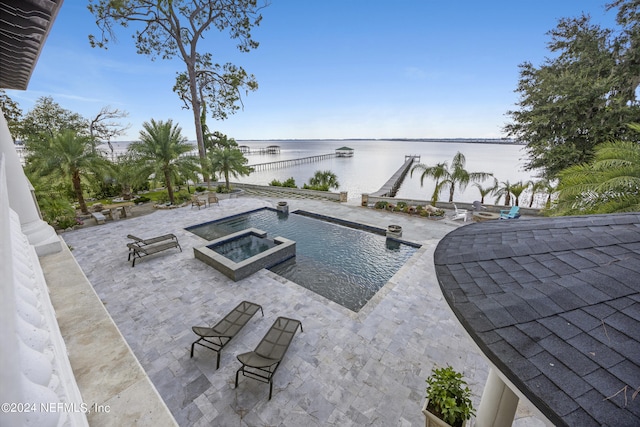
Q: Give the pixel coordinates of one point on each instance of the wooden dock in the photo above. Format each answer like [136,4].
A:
[391,187]
[272,149]
[281,164]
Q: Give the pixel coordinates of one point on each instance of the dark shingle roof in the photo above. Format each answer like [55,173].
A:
[554,303]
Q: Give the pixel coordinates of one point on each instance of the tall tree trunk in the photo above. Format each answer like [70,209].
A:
[77,187]
[167,183]
[126,191]
[196,109]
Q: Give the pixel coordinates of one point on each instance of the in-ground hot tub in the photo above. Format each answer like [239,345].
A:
[241,254]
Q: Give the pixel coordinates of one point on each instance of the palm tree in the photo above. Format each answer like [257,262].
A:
[127,176]
[228,160]
[66,155]
[485,191]
[439,173]
[161,150]
[445,177]
[550,188]
[324,180]
[503,189]
[517,189]
[543,186]
[610,183]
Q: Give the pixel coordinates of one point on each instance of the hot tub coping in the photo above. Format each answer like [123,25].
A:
[283,250]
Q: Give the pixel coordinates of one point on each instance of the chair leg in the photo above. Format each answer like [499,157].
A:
[193,345]
[270,388]
[218,360]
[237,373]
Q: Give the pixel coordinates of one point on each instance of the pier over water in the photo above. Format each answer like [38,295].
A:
[281,164]
[271,149]
[391,187]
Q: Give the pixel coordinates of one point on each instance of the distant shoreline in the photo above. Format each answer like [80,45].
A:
[506,141]
[454,140]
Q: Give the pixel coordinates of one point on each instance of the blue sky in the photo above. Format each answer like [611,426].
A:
[326,69]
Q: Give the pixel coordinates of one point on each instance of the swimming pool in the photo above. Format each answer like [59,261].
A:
[341,263]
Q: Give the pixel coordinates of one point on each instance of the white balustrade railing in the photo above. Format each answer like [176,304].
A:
[38,385]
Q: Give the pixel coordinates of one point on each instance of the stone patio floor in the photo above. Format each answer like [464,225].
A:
[345,369]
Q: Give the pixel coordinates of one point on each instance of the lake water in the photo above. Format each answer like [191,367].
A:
[375,161]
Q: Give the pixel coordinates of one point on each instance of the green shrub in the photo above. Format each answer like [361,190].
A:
[57,211]
[275,183]
[200,188]
[290,183]
[381,205]
[142,199]
[223,189]
[181,196]
[449,396]
[316,187]
[162,198]
[67,222]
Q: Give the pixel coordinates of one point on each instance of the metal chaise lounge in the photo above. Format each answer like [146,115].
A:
[144,247]
[216,337]
[153,240]
[262,363]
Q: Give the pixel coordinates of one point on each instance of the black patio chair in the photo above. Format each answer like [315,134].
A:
[216,337]
[262,363]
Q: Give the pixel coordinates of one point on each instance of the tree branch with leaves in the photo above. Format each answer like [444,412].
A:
[169,29]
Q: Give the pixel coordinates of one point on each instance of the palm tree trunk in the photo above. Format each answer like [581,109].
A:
[167,183]
[126,192]
[226,178]
[77,187]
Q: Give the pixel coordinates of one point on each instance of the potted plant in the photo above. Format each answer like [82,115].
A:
[448,401]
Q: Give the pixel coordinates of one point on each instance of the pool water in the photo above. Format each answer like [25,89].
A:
[344,264]
[243,248]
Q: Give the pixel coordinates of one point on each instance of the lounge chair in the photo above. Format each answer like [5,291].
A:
[195,201]
[459,213]
[153,240]
[144,247]
[216,337]
[512,213]
[262,363]
[212,198]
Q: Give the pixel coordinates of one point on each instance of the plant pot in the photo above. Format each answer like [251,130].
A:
[432,421]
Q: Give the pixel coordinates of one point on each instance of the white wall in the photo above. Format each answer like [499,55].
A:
[37,384]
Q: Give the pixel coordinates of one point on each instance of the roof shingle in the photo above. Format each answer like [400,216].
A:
[554,303]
